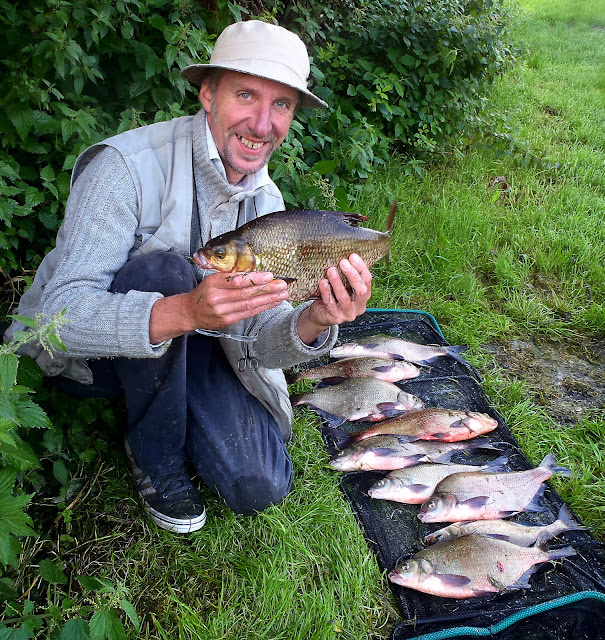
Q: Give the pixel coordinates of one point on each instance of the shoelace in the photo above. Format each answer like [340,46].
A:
[171,484]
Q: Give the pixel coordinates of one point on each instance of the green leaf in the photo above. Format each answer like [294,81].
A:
[7,171]
[9,364]
[29,414]
[75,629]
[130,612]
[29,373]
[105,625]
[324,167]
[91,583]
[7,590]
[60,472]
[51,572]
[28,322]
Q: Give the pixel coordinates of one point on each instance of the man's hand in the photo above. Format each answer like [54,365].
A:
[336,305]
[220,300]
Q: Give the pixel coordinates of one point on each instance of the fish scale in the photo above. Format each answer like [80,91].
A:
[300,244]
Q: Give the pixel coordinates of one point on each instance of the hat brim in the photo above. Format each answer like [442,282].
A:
[195,73]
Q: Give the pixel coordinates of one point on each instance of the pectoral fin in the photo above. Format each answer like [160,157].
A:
[453,580]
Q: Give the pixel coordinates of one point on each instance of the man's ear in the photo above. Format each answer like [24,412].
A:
[206,95]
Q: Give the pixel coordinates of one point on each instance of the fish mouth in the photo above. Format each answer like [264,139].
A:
[200,260]
[249,144]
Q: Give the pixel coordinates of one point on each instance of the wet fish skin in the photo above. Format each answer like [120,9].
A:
[382,368]
[472,566]
[520,534]
[390,452]
[433,424]
[388,347]
[358,399]
[416,484]
[489,496]
[297,245]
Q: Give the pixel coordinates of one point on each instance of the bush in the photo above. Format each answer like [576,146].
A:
[78,71]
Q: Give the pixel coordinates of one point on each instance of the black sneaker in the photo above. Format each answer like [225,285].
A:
[171,500]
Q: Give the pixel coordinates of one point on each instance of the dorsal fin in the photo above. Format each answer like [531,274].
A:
[352,219]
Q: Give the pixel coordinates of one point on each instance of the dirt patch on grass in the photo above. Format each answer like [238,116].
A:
[567,379]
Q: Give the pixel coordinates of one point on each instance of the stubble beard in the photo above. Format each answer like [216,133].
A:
[228,157]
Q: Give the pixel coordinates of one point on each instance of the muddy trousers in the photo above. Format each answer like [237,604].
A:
[190,403]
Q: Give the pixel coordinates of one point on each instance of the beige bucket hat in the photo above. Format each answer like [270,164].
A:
[264,50]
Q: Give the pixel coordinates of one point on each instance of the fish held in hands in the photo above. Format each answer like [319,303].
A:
[523,535]
[298,246]
[390,452]
[489,496]
[416,484]
[472,566]
[388,347]
[358,399]
[340,370]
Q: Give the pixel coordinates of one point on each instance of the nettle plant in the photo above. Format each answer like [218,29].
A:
[87,607]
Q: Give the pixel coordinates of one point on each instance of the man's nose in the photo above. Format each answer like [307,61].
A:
[260,122]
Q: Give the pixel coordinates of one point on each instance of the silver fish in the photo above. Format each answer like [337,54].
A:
[382,368]
[472,566]
[488,496]
[358,399]
[387,347]
[416,484]
[389,452]
[521,534]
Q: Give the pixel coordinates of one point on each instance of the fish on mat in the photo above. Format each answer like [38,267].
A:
[358,399]
[297,246]
[382,368]
[388,452]
[416,484]
[472,566]
[523,535]
[388,347]
[488,496]
[445,425]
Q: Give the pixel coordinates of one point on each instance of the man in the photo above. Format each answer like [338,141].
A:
[198,355]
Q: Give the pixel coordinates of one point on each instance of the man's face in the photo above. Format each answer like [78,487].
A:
[249,117]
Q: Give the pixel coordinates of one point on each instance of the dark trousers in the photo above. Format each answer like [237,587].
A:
[190,403]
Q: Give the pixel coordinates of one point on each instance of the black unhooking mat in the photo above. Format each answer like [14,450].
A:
[567,598]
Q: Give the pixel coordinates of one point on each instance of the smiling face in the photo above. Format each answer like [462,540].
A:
[249,117]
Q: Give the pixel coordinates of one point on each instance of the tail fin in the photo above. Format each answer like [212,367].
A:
[341,438]
[389,226]
[565,552]
[550,463]
[455,351]
[566,518]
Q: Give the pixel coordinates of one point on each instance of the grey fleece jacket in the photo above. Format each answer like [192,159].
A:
[97,238]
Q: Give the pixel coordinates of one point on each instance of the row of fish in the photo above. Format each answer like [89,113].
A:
[480,552]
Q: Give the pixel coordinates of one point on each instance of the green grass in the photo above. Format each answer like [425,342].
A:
[490,265]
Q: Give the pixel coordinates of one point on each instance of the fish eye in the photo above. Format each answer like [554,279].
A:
[431,504]
[220,253]
[404,566]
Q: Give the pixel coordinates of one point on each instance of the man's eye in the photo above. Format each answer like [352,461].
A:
[245,95]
